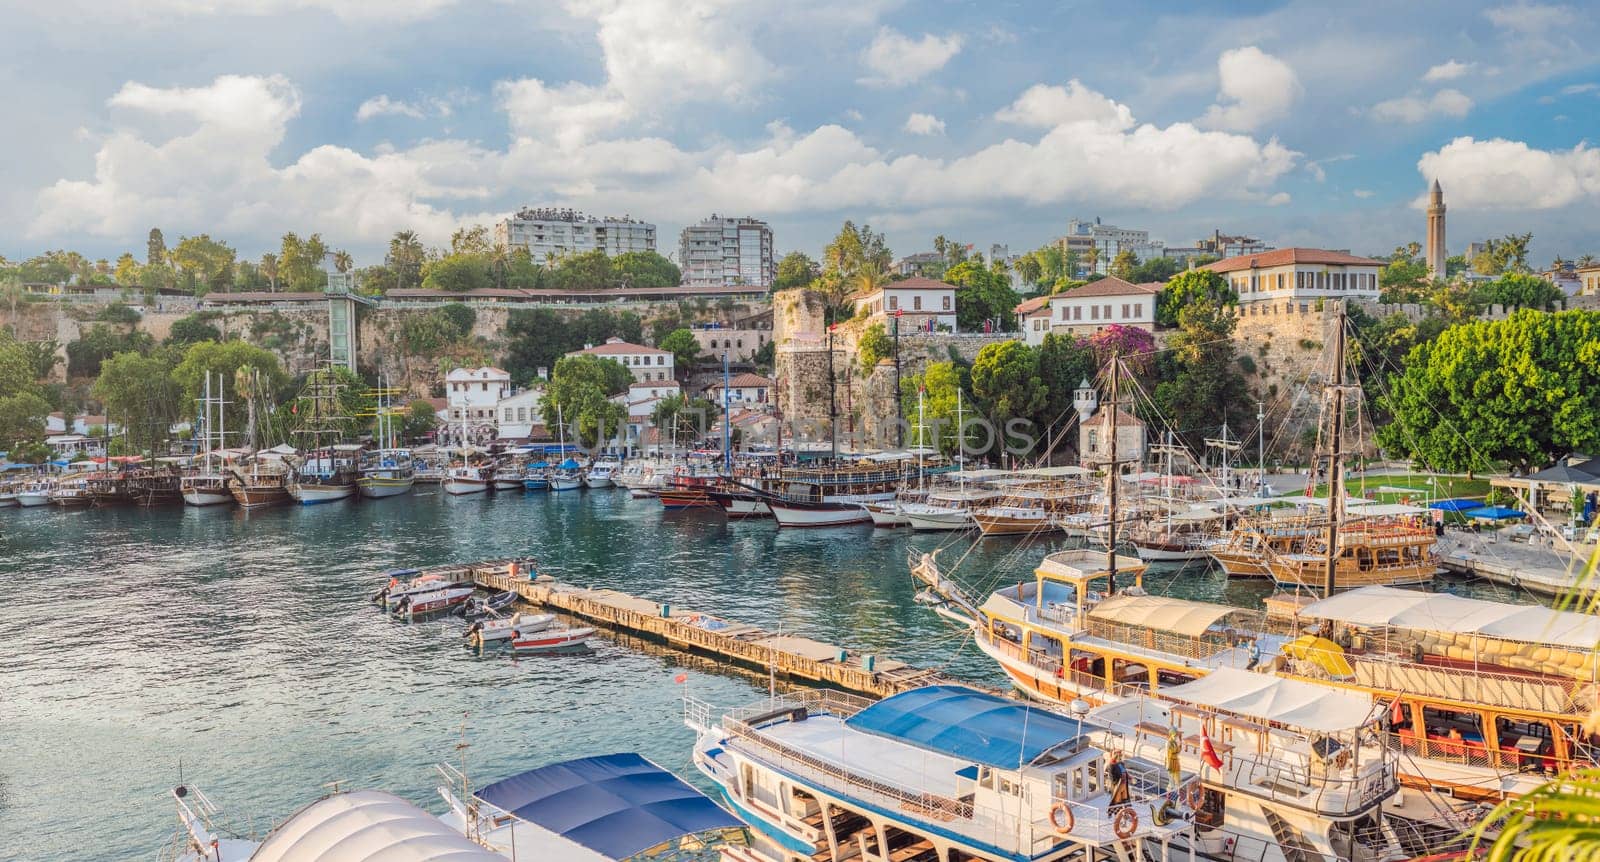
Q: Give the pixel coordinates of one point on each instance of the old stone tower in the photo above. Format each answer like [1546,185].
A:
[1435,251]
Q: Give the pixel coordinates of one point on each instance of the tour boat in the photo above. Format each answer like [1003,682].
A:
[886,514]
[496,629]
[936,773]
[110,487]
[947,509]
[739,503]
[687,492]
[155,486]
[260,484]
[35,492]
[535,477]
[463,479]
[507,475]
[1245,551]
[324,475]
[72,493]
[600,473]
[205,489]
[568,476]
[386,473]
[1179,537]
[834,496]
[550,640]
[204,483]
[8,494]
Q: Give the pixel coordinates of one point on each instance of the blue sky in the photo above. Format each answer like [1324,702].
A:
[987,122]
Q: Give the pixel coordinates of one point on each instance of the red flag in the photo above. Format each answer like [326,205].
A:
[1397,716]
[1207,753]
[295,407]
[682,677]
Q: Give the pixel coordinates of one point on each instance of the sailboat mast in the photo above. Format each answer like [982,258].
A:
[833,402]
[1111,485]
[222,418]
[1335,454]
[205,420]
[922,475]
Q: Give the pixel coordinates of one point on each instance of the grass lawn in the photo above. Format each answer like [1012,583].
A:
[1443,487]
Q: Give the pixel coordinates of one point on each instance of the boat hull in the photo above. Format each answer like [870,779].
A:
[376,488]
[535,484]
[460,487]
[598,481]
[72,501]
[818,514]
[258,496]
[565,483]
[886,515]
[7,500]
[1160,553]
[197,497]
[551,641]
[311,495]
[507,484]
[739,506]
[947,521]
[1008,525]
[31,499]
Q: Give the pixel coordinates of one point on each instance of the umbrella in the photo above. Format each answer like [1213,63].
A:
[1457,505]
[1494,513]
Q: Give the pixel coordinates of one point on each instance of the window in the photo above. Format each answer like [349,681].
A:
[522,414]
[485,386]
[507,413]
[916,303]
[1107,312]
[1124,311]
[946,299]
[661,360]
[1077,313]
[1094,312]
[1063,312]
[894,303]
[1138,309]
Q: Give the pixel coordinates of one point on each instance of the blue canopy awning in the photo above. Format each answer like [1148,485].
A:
[615,804]
[1456,505]
[1494,513]
[970,725]
[569,464]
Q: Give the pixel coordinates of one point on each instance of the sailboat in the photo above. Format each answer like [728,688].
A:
[326,473]
[207,484]
[259,483]
[471,475]
[568,475]
[387,471]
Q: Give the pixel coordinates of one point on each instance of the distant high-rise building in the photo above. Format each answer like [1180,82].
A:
[1109,240]
[727,251]
[1435,252]
[548,233]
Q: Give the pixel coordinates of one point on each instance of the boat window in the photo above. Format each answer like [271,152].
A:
[1125,672]
[1581,747]
[986,777]
[1165,678]
[1463,730]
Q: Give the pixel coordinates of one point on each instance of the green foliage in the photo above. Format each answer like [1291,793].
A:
[939,383]
[117,312]
[684,419]
[351,413]
[1155,269]
[1519,290]
[100,343]
[1064,362]
[683,347]
[155,248]
[299,263]
[1556,822]
[22,419]
[593,270]
[226,358]
[1201,387]
[1124,264]
[645,269]
[192,329]
[1193,287]
[874,346]
[405,259]
[579,393]
[1006,383]
[139,394]
[206,263]
[796,269]
[18,367]
[1521,391]
[1506,254]
[982,294]
[457,273]
[765,356]
[420,419]
[1405,277]
[855,250]
[538,337]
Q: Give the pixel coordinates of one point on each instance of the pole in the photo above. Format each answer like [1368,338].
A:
[1261,448]
[727,434]
[1335,455]
[899,419]
[1111,487]
[833,403]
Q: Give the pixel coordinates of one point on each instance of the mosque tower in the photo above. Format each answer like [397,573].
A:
[1434,252]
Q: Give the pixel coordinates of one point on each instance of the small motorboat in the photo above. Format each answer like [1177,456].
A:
[550,640]
[416,605]
[502,628]
[478,608]
[397,589]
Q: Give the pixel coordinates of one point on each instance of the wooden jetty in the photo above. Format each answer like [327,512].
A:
[1535,567]
[792,657]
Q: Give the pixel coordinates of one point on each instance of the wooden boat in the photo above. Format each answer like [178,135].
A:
[155,486]
[35,492]
[8,494]
[110,488]
[205,489]
[948,509]
[463,479]
[205,483]
[386,473]
[1244,552]
[324,475]
[687,492]
[1371,552]
[418,604]
[72,493]
[739,503]
[1179,537]
[259,485]
[834,495]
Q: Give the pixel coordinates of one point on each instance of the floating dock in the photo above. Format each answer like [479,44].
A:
[1534,567]
[789,656]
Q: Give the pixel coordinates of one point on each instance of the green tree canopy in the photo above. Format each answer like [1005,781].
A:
[139,393]
[684,349]
[796,269]
[580,393]
[225,358]
[191,329]
[1007,385]
[205,262]
[22,419]
[1520,391]
[100,343]
[1194,286]
[1520,290]
[458,273]
[938,384]
[982,294]
[1064,362]
[1202,387]
[420,419]
[1405,277]
[684,419]
[1124,264]
[874,346]
[645,269]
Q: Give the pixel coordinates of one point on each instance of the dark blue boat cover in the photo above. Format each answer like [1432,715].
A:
[1457,505]
[616,805]
[969,725]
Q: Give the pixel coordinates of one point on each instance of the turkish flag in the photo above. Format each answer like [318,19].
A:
[1207,752]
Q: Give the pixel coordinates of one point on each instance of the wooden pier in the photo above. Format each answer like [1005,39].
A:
[791,657]
[1537,566]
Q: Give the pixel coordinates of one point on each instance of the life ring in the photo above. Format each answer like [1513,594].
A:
[1061,818]
[1193,795]
[1125,822]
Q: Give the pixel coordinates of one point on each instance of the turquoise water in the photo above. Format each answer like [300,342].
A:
[239,650]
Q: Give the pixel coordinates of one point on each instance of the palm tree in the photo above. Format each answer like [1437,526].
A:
[342,260]
[1092,257]
[1586,261]
[405,256]
[269,268]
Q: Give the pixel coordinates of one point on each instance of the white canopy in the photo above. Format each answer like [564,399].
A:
[1305,705]
[1302,500]
[1180,616]
[367,826]
[1386,510]
[1055,471]
[1441,612]
[977,474]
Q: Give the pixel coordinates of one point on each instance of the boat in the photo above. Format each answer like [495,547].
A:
[551,639]
[535,476]
[935,773]
[467,478]
[72,493]
[385,473]
[686,489]
[205,488]
[205,482]
[739,503]
[1178,537]
[35,492]
[260,483]
[8,494]
[495,629]
[593,809]
[324,475]
[110,486]
[833,495]
[600,473]
[156,485]
[507,474]
[1255,539]
[948,509]
[567,476]
[429,465]
[886,513]
[488,606]
[414,604]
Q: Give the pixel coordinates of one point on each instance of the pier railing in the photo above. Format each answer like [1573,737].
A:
[1461,684]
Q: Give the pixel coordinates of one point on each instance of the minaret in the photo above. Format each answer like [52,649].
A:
[1434,252]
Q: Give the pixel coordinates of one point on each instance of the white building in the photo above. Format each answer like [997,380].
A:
[72,445]
[519,414]
[646,363]
[727,251]
[1089,309]
[919,301]
[474,393]
[549,233]
[738,345]
[1110,240]
[1300,275]
[744,390]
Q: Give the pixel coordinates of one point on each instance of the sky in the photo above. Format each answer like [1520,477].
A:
[1301,123]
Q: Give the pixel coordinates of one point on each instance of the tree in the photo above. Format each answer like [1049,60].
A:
[982,294]
[1029,269]
[1518,290]
[1155,269]
[226,358]
[644,269]
[685,349]
[419,421]
[342,261]
[208,262]
[269,270]
[855,249]
[684,419]
[796,269]
[1123,265]
[191,329]
[1405,277]
[22,419]
[1520,391]
[155,253]
[472,240]
[1064,362]
[1194,286]
[1202,388]
[1506,254]
[300,262]
[127,270]
[938,385]
[457,273]
[1007,386]
[100,343]
[874,346]
[139,394]
[580,393]
[406,256]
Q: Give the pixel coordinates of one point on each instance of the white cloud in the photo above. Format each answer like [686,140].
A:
[1575,89]
[386,11]
[1503,174]
[1364,193]
[382,105]
[569,114]
[680,51]
[1045,106]
[1254,87]
[897,60]
[1315,168]
[924,124]
[1447,71]
[1415,109]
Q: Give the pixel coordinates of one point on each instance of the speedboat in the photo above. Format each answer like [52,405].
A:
[422,582]
[515,627]
[417,604]
[551,640]
[466,479]
[35,493]
[600,473]
[490,606]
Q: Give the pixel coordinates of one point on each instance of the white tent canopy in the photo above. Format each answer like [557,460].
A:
[1180,616]
[1286,701]
[1386,510]
[367,826]
[1441,612]
[1055,471]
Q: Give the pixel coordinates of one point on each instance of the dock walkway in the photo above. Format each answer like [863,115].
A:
[786,655]
[1538,567]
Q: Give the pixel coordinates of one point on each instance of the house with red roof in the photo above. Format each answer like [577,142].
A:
[916,302]
[648,364]
[1088,309]
[1299,275]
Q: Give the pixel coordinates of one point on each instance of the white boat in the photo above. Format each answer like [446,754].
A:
[551,640]
[508,475]
[466,479]
[206,484]
[8,495]
[566,477]
[420,582]
[936,773]
[949,509]
[35,493]
[72,493]
[205,489]
[496,629]
[387,473]
[324,476]
[886,514]
[600,473]
[414,605]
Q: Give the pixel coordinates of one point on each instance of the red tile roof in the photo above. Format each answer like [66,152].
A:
[1110,286]
[915,283]
[746,380]
[1286,256]
[1028,306]
[616,348]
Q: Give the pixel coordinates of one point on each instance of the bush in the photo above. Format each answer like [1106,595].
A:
[1247,364]
[874,347]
